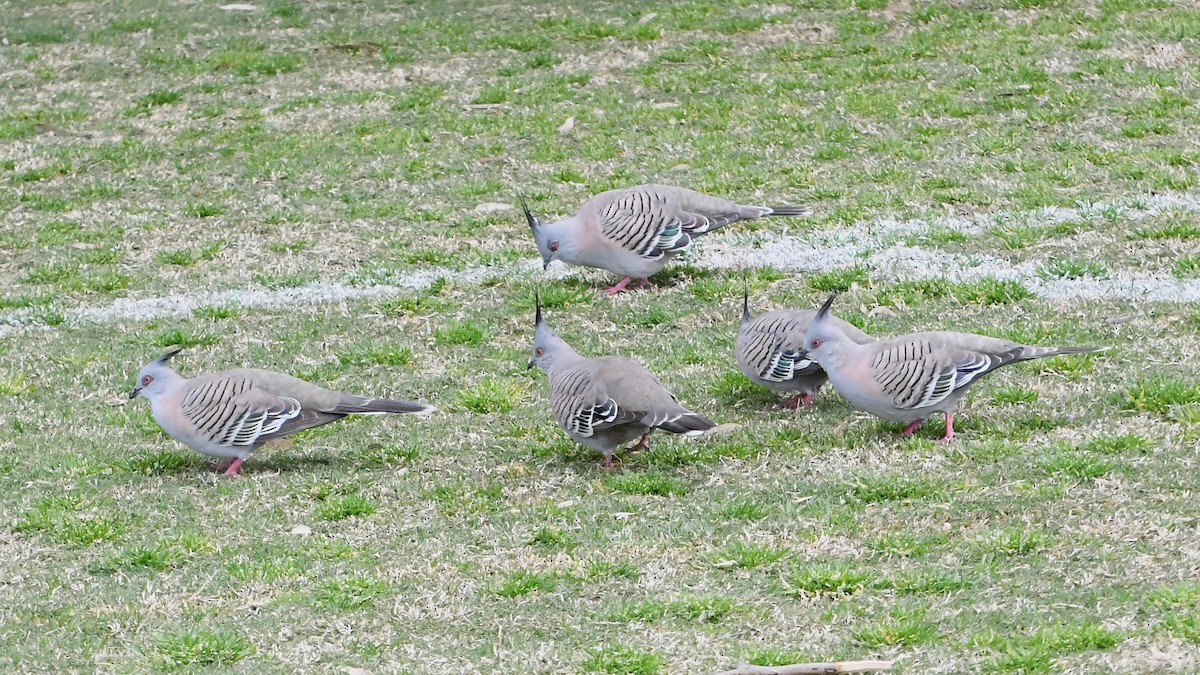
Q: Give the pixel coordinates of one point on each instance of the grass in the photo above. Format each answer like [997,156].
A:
[1160,393]
[329,192]
[202,647]
[350,594]
[1074,269]
[747,556]
[905,629]
[1037,652]
[522,582]
[622,660]
[830,578]
[347,506]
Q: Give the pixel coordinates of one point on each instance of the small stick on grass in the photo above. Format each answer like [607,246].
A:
[828,668]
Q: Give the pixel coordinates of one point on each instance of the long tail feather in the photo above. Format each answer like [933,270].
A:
[790,210]
[359,404]
[691,424]
[1042,352]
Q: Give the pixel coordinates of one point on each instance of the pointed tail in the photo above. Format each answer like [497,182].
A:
[1029,352]
[689,424]
[789,210]
[363,405]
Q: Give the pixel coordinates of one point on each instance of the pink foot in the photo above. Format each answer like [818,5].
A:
[641,283]
[619,286]
[798,400]
[608,463]
[949,437]
[908,430]
[642,444]
[233,467]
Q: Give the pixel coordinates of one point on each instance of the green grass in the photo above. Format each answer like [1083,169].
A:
[835,577]
[350,594]
[183,174]
[461,333]
[650,484]
[492,395]
[202,647]
[906,629]
[522,582]
[747,556]
[838,281]
[1035,653]
[1160,393]
[185,257]
[622,660]
[347,506]
[1074,269]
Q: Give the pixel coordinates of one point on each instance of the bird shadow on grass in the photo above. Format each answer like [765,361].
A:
[184,463]
[577,458]
[371,457]
[664,454]
[584,461]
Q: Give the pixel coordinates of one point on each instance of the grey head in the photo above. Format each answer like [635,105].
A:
[548,348]
[550,239]
[155,376]
[824,341]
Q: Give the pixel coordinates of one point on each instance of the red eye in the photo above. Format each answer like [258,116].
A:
[539,351]
[553,246]
[146,379]
[816,344]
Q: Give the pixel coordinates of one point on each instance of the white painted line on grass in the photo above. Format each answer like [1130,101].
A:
[877,245]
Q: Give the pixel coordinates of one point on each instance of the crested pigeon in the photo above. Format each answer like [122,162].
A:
[634,231]
[231,413]
[907,378]
[604,403]
[770,351]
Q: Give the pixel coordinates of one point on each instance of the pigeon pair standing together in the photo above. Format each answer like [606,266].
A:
[905,379]
[607,402]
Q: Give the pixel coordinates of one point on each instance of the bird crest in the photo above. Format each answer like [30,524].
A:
[824,311]
[171,353]
[529,217]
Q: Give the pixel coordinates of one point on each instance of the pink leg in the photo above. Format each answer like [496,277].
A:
[641,444]
[799,399]
[908,430]
[233,467]
[608,463]
[619,286]
[949,437]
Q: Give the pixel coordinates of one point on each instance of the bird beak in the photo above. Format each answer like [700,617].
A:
[545,264]
[133,393]
[530,365]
